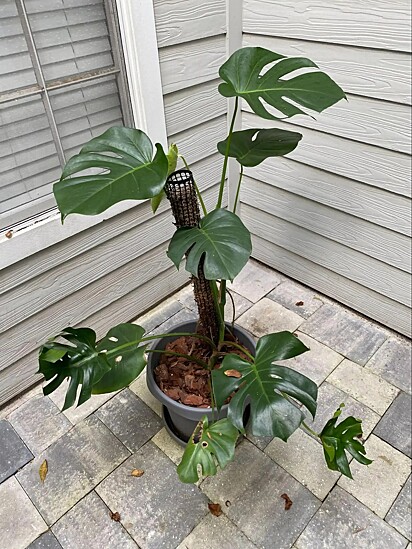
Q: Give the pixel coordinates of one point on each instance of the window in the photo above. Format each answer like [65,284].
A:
[62,81]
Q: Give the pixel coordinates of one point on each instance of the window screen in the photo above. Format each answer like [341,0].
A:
[62,82]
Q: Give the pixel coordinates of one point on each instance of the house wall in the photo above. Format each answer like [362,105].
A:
[335,214]
[109,275]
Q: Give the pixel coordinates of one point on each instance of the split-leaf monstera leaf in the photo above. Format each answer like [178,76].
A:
[108,366]
[338,438]
[244,77]
[267,387]
[126,170]
[251,147]
[208,446]
[221,238]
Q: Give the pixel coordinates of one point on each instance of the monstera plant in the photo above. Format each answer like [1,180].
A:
[122,164]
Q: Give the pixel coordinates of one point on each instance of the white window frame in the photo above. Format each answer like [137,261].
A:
[139,41]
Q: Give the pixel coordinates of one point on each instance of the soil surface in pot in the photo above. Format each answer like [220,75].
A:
[184,380]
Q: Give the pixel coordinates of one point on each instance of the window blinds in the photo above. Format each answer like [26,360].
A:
[60,68]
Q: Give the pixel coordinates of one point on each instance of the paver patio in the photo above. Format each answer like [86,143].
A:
[92,451]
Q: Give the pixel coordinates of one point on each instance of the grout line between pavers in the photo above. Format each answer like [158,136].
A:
[372,511]
[300,482]
[121,523]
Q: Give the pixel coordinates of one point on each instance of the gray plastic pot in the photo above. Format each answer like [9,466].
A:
[180,420]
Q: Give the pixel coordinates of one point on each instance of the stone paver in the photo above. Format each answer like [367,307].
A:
[9,407]
[78,461]
[88,449]
[253,484]
[130,419]
[395,427]
[317,363]
[89,525]
[266,316]
[255,281]
[302,457]
[156,509]
[378,485]
[241,306]
[185,315]
[20,522]
[139,387]
[216,533]
[75,415]
[399,515]
[344,523]
[13,452]
[363,385]
[172,449]
[152,319]
[260,442]
[393,362]
[296,298]
[45,541]
[39,423]
[349,334]
[330,398]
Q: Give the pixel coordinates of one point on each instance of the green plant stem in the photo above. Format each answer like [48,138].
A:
[221,318]
[224,169]
[238,189]
[222,303]
[172,353]
[199,194]
[158,336]
[309,430]
[241,348]
[233,306]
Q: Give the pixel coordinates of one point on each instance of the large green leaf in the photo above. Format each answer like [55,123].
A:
[223,240]
[127,170]
[265,385]
[206,447]
[243,77]
[79,361]
[251,147]
[126,363]
[338,438]
[96,368]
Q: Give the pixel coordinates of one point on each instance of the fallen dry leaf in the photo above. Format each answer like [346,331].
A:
[137,473]
[43,470]
[115,516]
[288,501]
[215,509]
[299,303]
[233,373]
[9,234]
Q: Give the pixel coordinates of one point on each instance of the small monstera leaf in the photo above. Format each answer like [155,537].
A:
[221,238]
[125,356]
[251,147]
[86,364]
[172,157]
[338,438]
[243,77]
[127,171]
[265,385]
[79,361]
[207,447]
